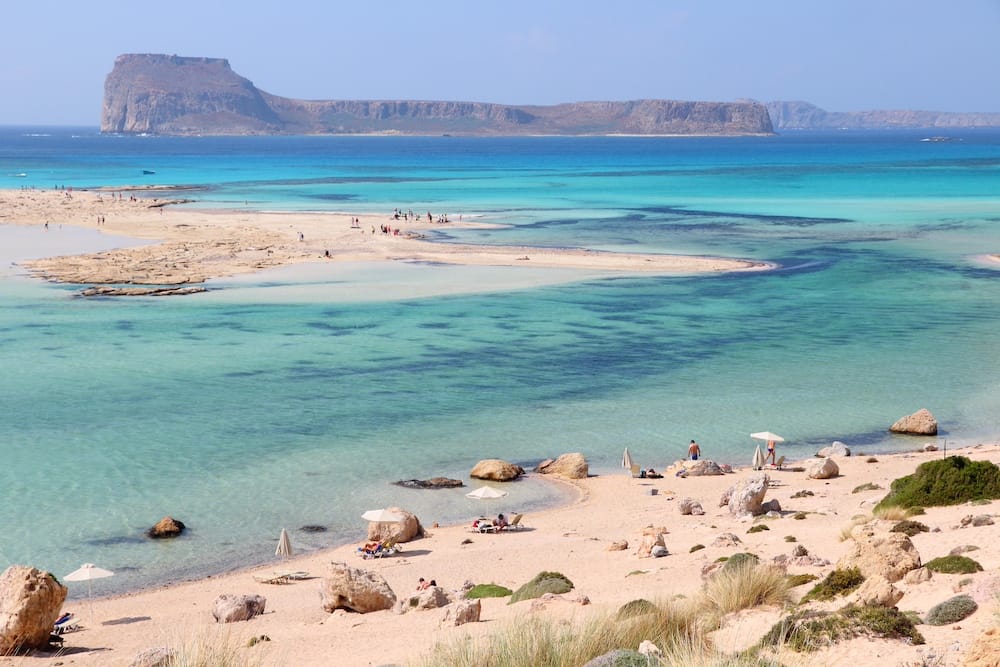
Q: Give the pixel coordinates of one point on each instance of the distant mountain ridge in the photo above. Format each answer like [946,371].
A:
[161,94]
[806,116]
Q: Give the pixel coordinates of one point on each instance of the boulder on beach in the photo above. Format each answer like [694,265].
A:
[356,590]
[405,530]
[462,612]
[822,469]
[836,449]
[232,608]
[880,553]
[166,527]
[496,470]
[30,602]
[921,422]
[570,466]
[747,496]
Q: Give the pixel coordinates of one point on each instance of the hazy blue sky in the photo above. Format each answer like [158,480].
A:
[843,56]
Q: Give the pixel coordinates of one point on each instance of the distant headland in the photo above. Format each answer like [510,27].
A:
[161,94]
[175,95]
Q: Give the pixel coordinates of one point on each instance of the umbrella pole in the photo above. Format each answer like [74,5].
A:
[90,600]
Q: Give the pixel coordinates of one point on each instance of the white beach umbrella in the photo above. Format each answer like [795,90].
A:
[627,462]
[767,435]
[88,572]
[382,515]
[486,493]
[284,545]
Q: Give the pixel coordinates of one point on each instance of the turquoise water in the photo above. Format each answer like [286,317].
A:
[294,397]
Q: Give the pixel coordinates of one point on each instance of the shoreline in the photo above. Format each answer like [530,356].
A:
[191,245]
[573,539]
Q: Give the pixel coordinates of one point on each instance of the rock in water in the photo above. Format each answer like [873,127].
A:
[166,527]
[921,422]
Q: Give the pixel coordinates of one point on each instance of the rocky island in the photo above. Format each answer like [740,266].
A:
[168,94]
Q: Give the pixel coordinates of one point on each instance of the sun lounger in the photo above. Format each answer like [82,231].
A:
[64,624]
[271,578]
[515,523]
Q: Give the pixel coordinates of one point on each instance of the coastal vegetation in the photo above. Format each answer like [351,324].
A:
[542,583]
[954,564]
[952,610]
[488,591]
[808,630]
[836,584]
[949,481]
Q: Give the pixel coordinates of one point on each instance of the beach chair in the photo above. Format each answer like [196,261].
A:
[515,523]
[64,624]
[270,579]
[635,470]
[483,526]
[778,464]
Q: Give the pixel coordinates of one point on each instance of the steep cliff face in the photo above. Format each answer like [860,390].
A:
[159,94]
[174,95]
[805,116]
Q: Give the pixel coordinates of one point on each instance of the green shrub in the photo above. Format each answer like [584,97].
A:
[800,579]
[949,481]
[799,516]
[909,527]
[635,608]
[952,610]
[488,591]
[868,486]
[758,528]
[811,630]
[741,559]
[837,583]
[697,547]
[954,565]
[791,538]
[544,582]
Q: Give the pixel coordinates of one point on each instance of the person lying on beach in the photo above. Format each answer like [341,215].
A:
[652,474]
[500,522]
[423,584]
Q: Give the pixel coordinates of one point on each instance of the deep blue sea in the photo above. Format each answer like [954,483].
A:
[291,398]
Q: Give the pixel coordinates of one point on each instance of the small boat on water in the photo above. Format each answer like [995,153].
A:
[147,172]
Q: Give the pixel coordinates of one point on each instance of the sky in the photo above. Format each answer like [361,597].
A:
[849,55]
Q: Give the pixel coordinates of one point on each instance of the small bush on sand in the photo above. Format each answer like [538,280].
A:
[952,610]
[488,591]
[544,582]
[214,648]
[836,584]
[635,608]
[739,560]
[810,630]
[954,565]
[800,579]
[891,513]
[758,528]
[697,547]
[742,587]
[867,486]
[949,481]
[791,538]
[799,516]
[909,527]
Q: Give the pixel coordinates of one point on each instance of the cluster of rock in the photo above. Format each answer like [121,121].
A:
[30,603]
[363,592]
[568,466]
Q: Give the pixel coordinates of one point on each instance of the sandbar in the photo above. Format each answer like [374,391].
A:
[189,245]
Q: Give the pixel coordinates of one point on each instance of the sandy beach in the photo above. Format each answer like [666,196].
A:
[189,245]
[573,540]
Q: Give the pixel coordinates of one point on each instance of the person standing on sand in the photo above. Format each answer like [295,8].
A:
[694,451]
[770,452]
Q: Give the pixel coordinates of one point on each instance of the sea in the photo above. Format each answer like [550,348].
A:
[294,398]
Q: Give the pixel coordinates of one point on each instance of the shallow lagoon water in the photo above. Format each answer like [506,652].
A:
[294,397]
